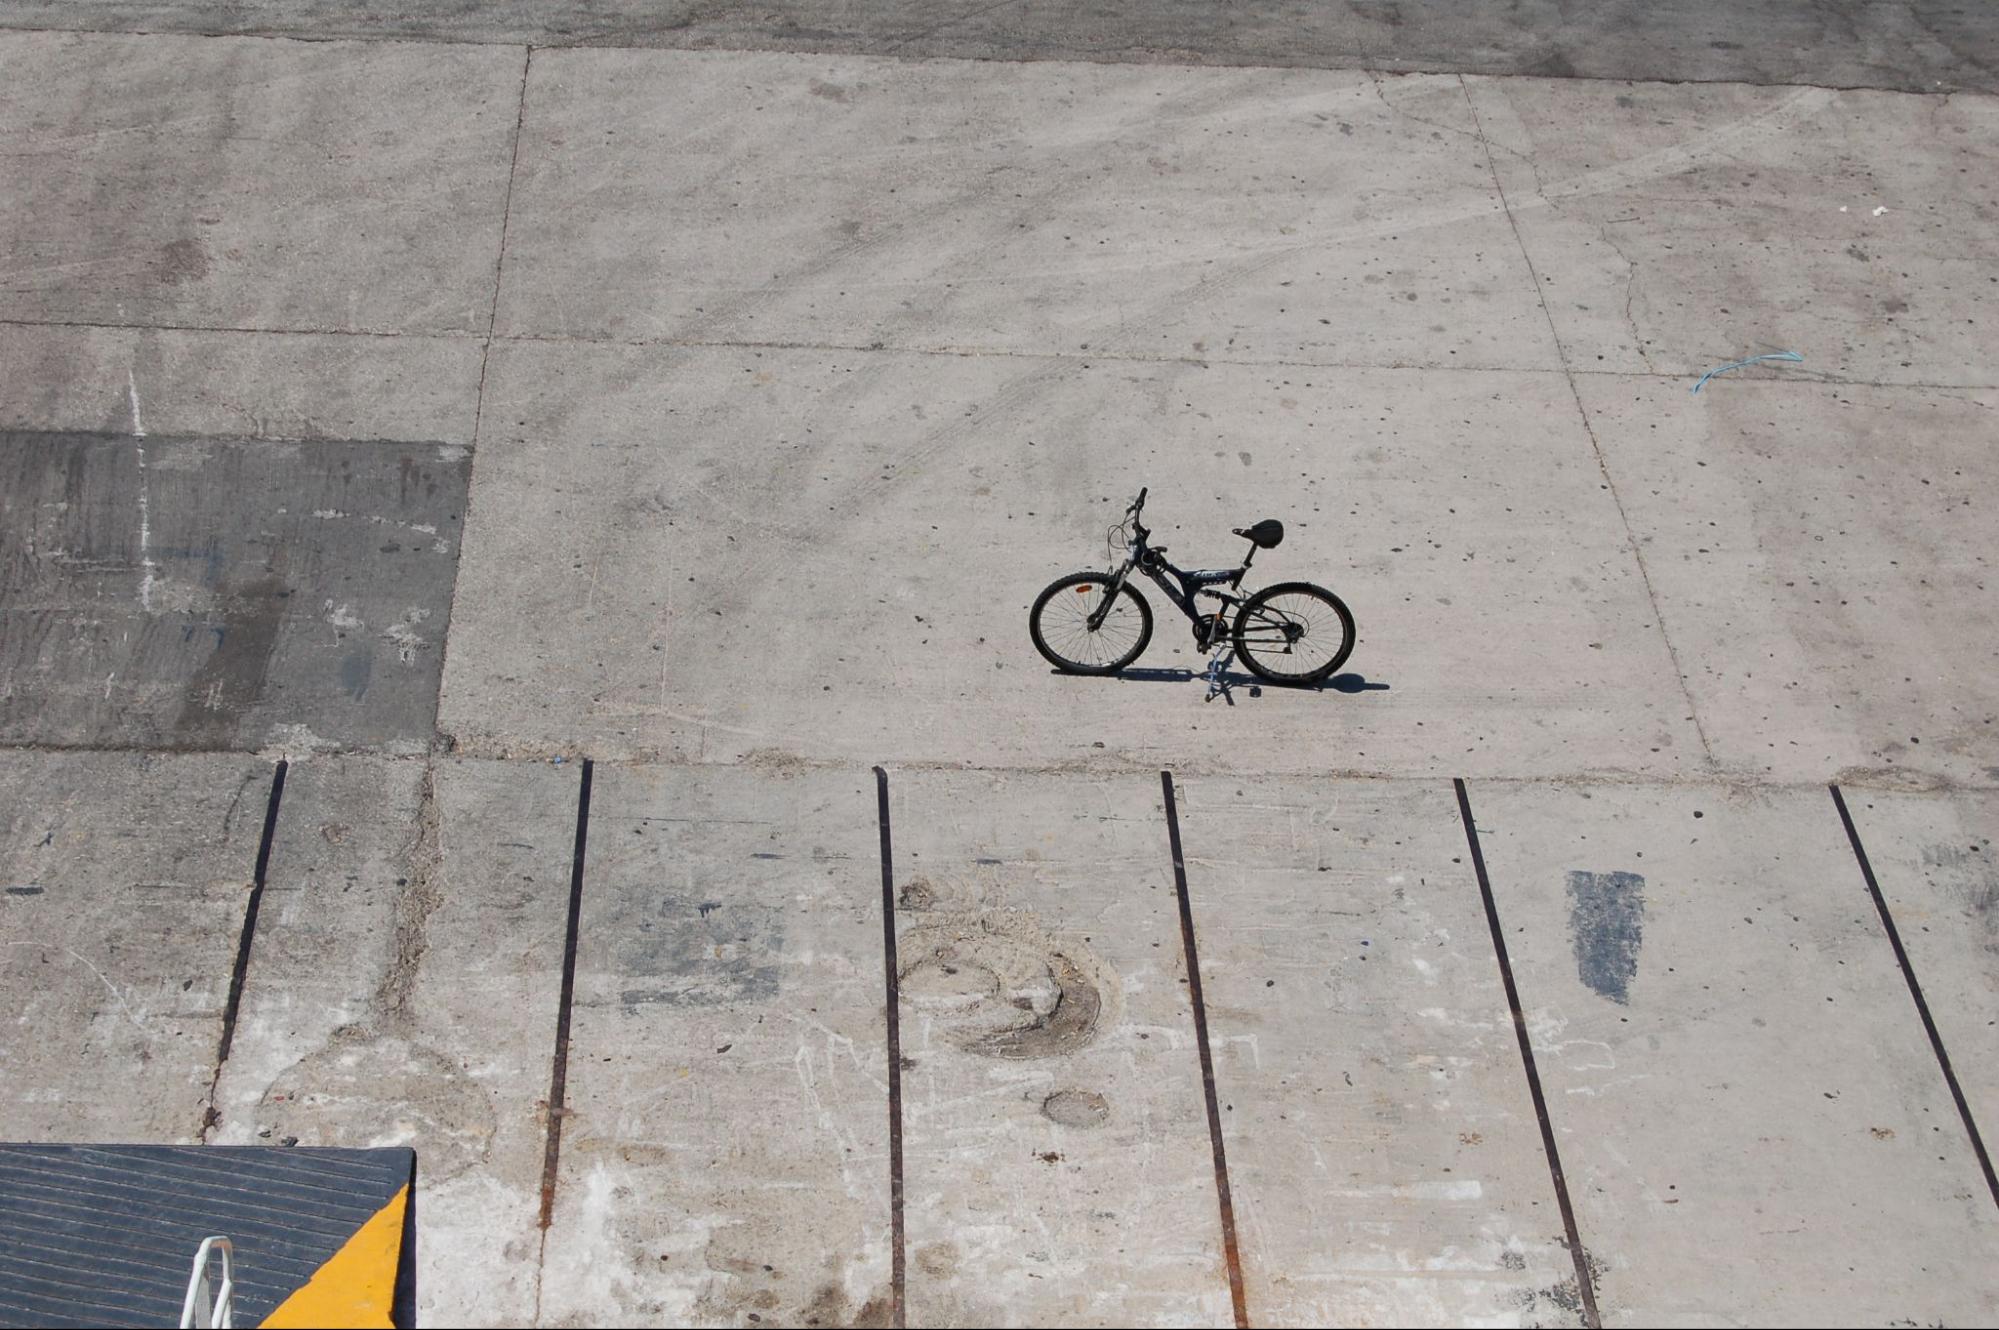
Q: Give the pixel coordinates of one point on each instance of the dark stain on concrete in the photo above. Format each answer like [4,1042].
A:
[180,262]
[1910,45]
[355,669]
[1606,929]
[696,953]
[204,594]
[1968,877]
[232,680]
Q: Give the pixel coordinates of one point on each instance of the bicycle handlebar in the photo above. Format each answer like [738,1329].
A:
[1138,504]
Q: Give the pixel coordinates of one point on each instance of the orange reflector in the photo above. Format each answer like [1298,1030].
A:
[1082,591]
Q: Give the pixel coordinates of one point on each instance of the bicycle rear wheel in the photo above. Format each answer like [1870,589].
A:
[1294,633]
[1060,625]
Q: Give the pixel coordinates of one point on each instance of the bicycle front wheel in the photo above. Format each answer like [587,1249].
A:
[1294,633]
[1060,625]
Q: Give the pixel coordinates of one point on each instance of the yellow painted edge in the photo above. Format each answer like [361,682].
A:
[357,1285]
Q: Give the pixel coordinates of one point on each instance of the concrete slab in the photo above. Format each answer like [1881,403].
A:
[202,593]
[1676,228]
[1751,1120]
[1233,215]
[1058,1165]
[1920,45]
[252,184]
[707,554]
[402,991]
[123,881]
[244,385]
[1933,859]
[725,1154]
[1383,1152]
[1820,554]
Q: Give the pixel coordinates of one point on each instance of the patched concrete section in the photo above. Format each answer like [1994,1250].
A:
[123,884]
[1057,1156]
[243,385]
[253,184]
[1383,1151]
[1919,45]
[1232,215]
[1934,861]
[403,991]
[1680,228]
[203,594]
[725,1149]
[1759,1131]
[1823,558]
[704,554]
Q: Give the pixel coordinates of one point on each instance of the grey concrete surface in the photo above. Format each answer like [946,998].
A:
[1748,1113]
[287,386]
[1383,1152]
[1933,859]
[1058,1165]
[1675,229]
[725,1153]
[253,184]
[715,553]
[123,882]
[769,463]
[201,593]
[1820,559]
[403,989]
[1183,213]
[1918,45]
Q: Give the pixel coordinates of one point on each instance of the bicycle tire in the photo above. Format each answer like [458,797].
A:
[1260,623]
[1123,644]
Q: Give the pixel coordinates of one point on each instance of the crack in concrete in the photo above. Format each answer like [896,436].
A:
[1603,465]
[500,257]
[420,898]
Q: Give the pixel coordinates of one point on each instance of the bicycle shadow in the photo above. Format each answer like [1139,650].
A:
[1349,682]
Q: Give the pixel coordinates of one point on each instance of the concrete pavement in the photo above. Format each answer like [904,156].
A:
[714,415]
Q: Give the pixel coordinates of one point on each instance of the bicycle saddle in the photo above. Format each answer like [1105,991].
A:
[1267,534]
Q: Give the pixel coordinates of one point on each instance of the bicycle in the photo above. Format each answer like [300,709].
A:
[1098,623]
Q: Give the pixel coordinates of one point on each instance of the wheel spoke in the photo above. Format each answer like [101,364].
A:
[1064,624]
[1294,634]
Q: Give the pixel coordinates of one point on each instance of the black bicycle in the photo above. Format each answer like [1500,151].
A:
[1098,623]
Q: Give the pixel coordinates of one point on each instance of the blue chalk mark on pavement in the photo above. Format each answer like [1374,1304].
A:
[1738,364]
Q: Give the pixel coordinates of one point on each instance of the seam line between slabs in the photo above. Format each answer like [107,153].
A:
[1231,1250]
[892,978]
[500,258]
[1584,1285]
[558,1077]
[1589,428]
[240,974]
[1916,992]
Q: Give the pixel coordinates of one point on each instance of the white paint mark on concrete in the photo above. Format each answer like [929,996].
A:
[149,571]
[109,987]
[132,394]
[1879,211]
[340,616]
[402,634]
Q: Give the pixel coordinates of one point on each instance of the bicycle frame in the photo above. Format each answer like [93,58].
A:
[1184,586]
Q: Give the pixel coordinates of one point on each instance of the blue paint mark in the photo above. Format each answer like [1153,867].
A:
[1606,928]
[1792,356]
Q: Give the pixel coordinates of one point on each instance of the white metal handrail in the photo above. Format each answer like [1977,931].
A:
[204,1309]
